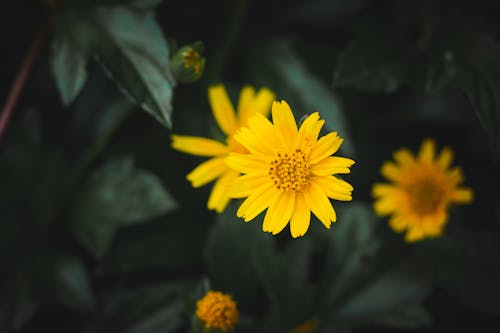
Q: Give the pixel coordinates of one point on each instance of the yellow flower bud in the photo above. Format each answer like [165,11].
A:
[217,311]
[188,62]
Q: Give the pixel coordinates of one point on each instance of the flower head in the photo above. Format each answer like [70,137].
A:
[288,171]
[422,188]
[217,311]
[215,168]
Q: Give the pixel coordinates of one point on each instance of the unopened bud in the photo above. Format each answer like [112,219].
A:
[188,62]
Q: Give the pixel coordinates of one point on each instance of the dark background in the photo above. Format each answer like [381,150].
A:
[384,62]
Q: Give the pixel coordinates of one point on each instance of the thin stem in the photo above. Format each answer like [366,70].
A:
[21,77]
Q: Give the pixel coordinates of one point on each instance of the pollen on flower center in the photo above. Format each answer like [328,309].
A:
[290,171]
[426,196]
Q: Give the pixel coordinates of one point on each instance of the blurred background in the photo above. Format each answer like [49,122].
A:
[101,232]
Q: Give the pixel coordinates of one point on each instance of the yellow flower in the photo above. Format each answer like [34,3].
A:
[288,171]
[217,311]
[422,188]
[229,122]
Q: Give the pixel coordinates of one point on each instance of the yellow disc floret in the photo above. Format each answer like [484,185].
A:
[426,195]
[290,172]
[217,311]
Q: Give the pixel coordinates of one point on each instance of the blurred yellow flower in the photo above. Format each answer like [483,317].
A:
[288,171]
[217,311]
[306,327]
[250,103]
[422,188]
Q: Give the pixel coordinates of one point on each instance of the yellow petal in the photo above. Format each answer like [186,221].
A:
[414,234]
[332,165]
[259,200]
[246,163]
[263,100]
[462,195]
[385,206]
[251,103]
[247,94]
[284,124]
[456,175]
[445,158]
[427,151]
[219,198]
[198,146]
[308,132]
[222,108]
[244,185]
[299,222]
[278,215]
[207,171]
[390,171]
[259,137]
[379,190]
[341,183]
[326,146]
[398,223]
[331,188]
[433,224]
[319,204]
[404,157]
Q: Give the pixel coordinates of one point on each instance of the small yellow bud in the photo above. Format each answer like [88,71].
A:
[188,62]
[217,311]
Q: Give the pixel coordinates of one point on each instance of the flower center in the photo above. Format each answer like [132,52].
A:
[290,171]
[426,196]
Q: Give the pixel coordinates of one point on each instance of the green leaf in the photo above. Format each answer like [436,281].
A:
[406,282]
[116,195]
[73,284]
[231,251]
[285,277]
[352,251]
[129,44]
[68,67]
[478,71]
[467,266]
[280,273]
[367,278]
[152,248]
[19,303]
[292,81]
[375,61]
[410,316]
[147,308]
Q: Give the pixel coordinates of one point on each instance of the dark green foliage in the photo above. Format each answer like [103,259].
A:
[131,47]
[101,232]
[116,195]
